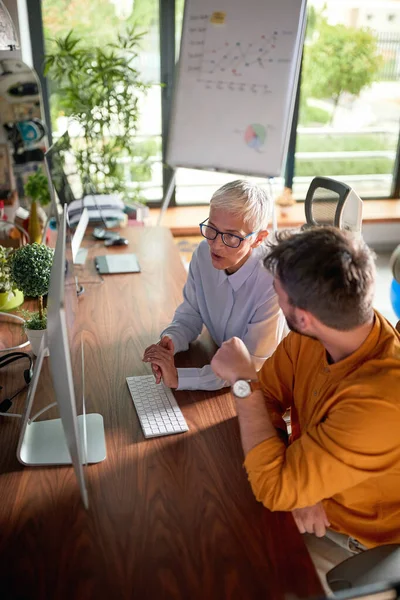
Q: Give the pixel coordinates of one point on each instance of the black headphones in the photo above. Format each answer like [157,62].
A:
[28,374]
[13,356]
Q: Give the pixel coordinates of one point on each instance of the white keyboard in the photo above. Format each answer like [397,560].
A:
[156,407]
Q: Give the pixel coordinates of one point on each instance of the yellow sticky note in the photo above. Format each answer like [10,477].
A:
[218,18]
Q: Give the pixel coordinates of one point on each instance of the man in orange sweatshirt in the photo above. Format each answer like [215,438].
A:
[338,372]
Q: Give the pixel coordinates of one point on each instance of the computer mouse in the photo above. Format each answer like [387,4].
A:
[116,242]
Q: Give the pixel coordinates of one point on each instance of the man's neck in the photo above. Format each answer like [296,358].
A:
[341,344]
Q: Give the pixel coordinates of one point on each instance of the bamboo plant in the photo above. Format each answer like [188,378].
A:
[100,89]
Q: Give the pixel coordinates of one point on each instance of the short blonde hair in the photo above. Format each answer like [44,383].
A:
[246,200]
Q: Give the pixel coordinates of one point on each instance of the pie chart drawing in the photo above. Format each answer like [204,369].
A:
[255,136]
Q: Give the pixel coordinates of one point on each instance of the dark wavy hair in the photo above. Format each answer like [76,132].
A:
[326,271]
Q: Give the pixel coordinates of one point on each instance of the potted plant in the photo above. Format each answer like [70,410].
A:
[37,189]
[99,88]
[30,270]
[10,296]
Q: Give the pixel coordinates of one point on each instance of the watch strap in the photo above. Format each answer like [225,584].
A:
[255,385]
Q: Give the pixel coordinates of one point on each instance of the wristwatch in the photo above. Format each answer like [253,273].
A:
[242,388]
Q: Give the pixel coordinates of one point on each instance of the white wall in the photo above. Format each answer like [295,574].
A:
[19,15]
[384,236]
[12,7]
[355,13]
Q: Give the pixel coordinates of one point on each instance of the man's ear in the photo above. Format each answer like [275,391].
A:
[304,319]
[261,236]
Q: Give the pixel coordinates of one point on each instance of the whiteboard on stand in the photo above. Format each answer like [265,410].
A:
[236,85]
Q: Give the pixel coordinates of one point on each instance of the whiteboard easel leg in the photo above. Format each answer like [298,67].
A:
[274,220]
[167,197]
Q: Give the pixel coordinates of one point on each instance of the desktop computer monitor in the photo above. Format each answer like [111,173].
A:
[77,237]
[71,438]
[62,167]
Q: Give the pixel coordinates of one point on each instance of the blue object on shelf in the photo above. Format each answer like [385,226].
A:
[395,297]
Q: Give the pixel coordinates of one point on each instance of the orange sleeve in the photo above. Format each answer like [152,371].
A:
[276,377]
[358,440]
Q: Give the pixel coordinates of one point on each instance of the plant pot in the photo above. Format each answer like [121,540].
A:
[10,300]
[35,337]
[34,226]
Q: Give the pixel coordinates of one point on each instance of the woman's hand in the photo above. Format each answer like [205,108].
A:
[161,357]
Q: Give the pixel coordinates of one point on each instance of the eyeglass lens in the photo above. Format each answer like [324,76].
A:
[230,240]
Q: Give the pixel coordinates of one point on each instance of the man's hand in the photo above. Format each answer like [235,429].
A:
[233,361]
[311,519]
[166,343]
[161,357]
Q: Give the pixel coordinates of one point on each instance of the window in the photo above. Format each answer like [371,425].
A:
[348,124]
[100,22]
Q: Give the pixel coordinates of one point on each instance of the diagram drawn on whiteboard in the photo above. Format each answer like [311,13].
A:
[255,136]
[239,59]
[219,59]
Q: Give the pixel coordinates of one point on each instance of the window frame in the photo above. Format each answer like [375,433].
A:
[167,14]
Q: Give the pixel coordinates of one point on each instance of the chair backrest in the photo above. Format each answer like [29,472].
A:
[331,202]
[373,591]
[376,565]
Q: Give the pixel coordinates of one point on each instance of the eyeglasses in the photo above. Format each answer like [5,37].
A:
[229,239]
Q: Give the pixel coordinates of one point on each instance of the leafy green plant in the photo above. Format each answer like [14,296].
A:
[33,320]
[37,187]
[339,59]
[30,269]
[100,89]
[6,284]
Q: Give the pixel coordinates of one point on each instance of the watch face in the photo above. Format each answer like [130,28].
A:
[241,388]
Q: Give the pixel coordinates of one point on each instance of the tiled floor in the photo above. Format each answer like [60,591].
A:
[187,246]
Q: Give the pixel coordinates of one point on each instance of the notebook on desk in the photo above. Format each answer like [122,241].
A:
[117,263]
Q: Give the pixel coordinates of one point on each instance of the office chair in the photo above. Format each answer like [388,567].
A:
[376,565]
[331,202]
[375,591]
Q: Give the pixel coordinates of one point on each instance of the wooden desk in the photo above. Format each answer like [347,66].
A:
[172,517]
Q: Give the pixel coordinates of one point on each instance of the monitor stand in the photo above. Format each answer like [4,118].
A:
[43,442]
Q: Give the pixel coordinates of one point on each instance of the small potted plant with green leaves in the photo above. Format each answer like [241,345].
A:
[30,270]
[37,189]
[10,296]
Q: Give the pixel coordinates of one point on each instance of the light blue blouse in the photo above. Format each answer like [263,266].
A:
[243,304]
